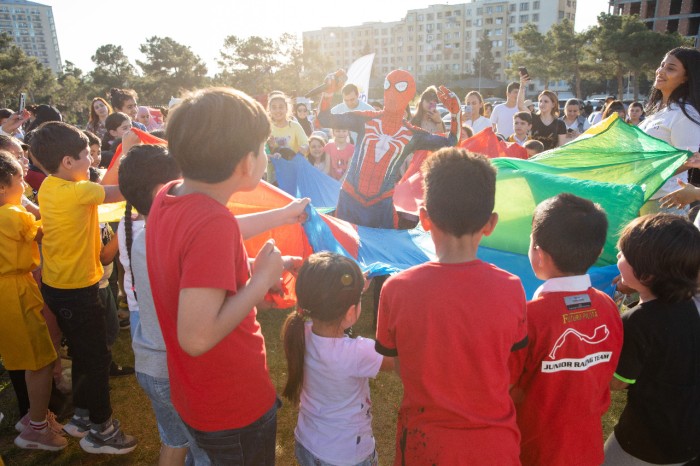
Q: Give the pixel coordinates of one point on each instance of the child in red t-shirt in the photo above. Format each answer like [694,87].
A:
[452,323]
[575,335]
[202,286]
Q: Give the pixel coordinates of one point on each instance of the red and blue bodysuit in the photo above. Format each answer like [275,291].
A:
[384,141]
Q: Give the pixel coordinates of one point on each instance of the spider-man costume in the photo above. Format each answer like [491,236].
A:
[384,141]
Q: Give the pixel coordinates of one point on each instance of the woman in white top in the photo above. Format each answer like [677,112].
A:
[474,112]
[672,113]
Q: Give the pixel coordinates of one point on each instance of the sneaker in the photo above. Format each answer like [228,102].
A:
[115,370]
[114,443]
[54,425]
[45,439]
[124,324]
[77,427]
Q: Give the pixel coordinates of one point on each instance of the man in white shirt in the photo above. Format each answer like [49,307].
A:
[351,102]
[502,115]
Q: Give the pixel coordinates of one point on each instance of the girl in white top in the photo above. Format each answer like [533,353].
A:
[475,112]
[672,112]
[328,372]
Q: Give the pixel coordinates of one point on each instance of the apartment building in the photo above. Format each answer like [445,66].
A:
[441,37]
[682,16]
[32,27]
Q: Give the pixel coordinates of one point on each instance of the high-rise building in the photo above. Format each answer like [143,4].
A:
[441,37]
[682,16]
[32,27]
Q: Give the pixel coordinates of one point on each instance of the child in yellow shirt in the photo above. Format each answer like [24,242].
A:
[71,272]
[25,343]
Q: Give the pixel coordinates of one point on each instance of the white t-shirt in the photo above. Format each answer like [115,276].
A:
[335,419]
[136,227]
[479,124]
[671,125]
[502,117]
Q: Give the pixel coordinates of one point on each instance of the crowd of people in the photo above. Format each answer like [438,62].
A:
[489,377]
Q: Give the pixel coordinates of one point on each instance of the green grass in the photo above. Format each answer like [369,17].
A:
[132,407]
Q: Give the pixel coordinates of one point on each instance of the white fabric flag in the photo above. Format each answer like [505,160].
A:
[358,74]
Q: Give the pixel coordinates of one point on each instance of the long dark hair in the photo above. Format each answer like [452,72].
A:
[327,285]
[687,93]
[144,167]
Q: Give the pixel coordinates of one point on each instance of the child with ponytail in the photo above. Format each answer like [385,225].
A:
[328,371]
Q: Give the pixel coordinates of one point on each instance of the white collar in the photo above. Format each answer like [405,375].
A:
[573,283]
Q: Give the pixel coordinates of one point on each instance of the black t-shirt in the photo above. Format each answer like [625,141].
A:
[661,355]
[548,135]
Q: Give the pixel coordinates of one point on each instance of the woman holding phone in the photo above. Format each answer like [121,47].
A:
[546,126]
[427,117]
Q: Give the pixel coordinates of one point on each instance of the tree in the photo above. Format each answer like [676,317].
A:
[248,64]
[289,76]
[571,53]
[484,62]
[533,44]
[169,68]
[112,68]
[22,73]
[74,94]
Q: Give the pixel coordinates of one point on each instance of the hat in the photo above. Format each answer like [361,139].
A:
[528,103]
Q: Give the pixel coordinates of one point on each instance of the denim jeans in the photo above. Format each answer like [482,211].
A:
[81,317]
[306,458]
[252,445]
[173,432]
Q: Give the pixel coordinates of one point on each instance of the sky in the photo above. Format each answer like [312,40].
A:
[84,25]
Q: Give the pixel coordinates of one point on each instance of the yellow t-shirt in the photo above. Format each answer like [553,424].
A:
[19,253]
[292,135]
[71,243]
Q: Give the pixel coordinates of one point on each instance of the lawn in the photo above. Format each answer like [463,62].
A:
[132,407]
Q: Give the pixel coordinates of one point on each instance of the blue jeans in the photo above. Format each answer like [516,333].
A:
[252,445]
[173,432]
[306,458]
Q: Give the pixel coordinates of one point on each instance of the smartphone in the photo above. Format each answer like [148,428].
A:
[523,71]
[467,108]
[22,102]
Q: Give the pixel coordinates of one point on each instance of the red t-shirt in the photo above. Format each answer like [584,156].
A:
[340,159]
[561,381]
[453,327]
[193,241]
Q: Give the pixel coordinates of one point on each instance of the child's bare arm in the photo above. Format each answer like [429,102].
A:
[388,364]
[617,384]
[254,224]
[206,315]
[31,207]
[129,140]
[112,194]
[109,251]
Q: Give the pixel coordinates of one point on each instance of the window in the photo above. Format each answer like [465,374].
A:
[651,9]
[536,5]
[468,23]
[511,43]
[430,17]
[489,20]
[479,11]
[499,20]
[635,8]
[512,19]
[512,7]
[479,22]
[499,9]
[535,17]
[456,35]
[672,25]
[561,15]
[421,17]
[675,8]
[524,18]
[498,32]
[410,29]
[439,15]
[489,10]
[524,6]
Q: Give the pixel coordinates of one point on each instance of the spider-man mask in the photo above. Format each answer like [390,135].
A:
[399,90]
